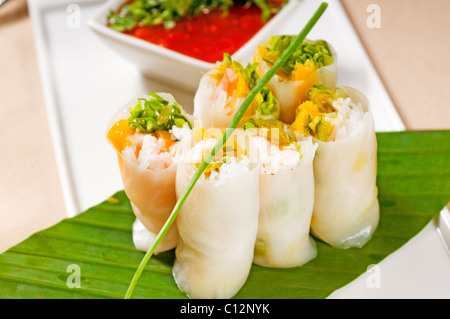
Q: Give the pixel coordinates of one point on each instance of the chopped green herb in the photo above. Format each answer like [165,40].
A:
[217,163]
[324,97]
[285,134]
[268,107]
[156,114]
[321,132]
[266,104]
[214,166]
[317,52]
[167,12]
[313,124]
[235,65]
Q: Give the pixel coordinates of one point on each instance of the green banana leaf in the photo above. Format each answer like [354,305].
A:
[414,185]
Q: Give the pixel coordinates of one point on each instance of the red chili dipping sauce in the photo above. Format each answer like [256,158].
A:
[208,36]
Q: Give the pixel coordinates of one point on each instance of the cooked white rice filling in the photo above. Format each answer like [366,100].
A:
[273,159]
[152,154]
[233,168]
[230,170]
[350,118]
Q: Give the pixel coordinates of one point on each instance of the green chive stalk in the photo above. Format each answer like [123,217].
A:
[234,122]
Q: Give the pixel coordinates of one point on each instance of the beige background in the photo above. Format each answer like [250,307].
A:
[410,52]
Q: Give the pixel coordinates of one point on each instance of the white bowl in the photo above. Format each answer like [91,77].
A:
[167,66]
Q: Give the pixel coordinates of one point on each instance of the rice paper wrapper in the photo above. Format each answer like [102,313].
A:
[283,238]
[286,205]
[150,191]
[217,226]
[152,197]
[290,93]
[210,108]
[143,238]
[346,208]
[207,109]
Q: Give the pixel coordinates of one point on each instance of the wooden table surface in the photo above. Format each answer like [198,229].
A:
[409,50]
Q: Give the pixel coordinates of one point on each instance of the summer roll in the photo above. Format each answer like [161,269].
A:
[286,185]
[346,208]
[314,62]
[141,134]
[222,90]
[218,222]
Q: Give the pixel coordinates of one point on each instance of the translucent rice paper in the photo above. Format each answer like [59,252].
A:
[286,206]
[210,105]
[207,109]
[152,196]
[151,192]
[289,93]
[346,209]
[217,226]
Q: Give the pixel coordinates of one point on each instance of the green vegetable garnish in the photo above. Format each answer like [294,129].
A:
[314,123]
[167,12]
[156,115]
[221,142]
[266,104]
[217,164]
[324,97]
[317,52]
[285,134]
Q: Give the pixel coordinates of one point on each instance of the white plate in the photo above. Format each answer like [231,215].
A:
[84,83]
